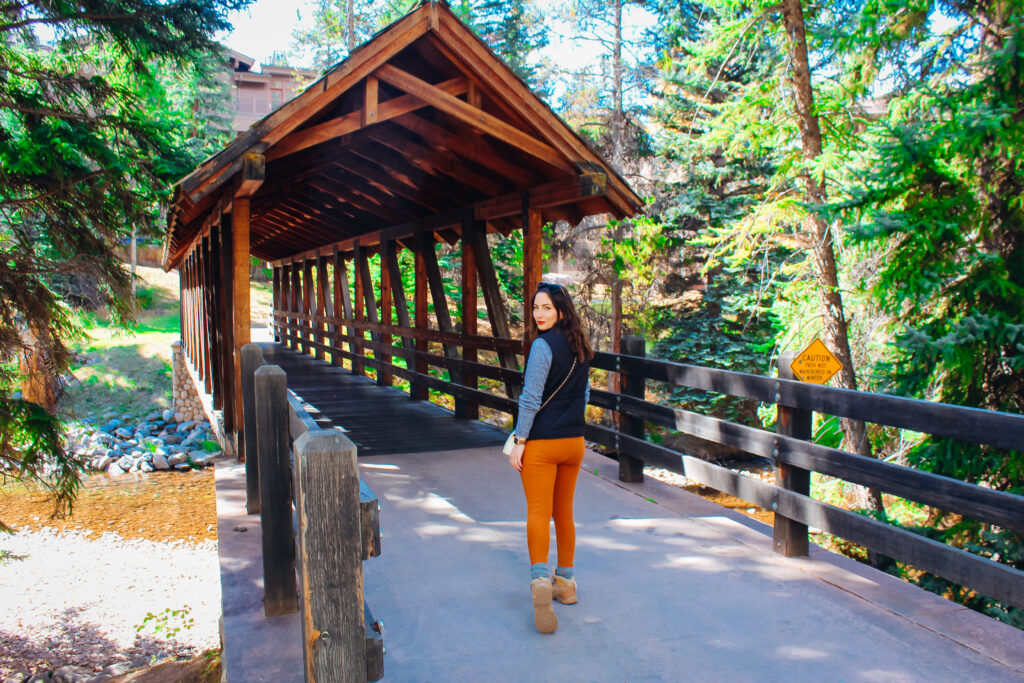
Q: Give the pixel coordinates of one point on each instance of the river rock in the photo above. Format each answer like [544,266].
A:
[123,433]
[177,459]
[186,426]
[144,466]
[101,462]
[17,677]
[160,462]
[43,677]
[126,462]
[72,674]
[168,415]
[172,439]
[114,469]
[171,428]
[112,425]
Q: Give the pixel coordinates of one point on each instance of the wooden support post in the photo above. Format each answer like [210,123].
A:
[469,306]
[358,367]
[384,376]
[229,358]
[631,470]
[343,298]
[308,307]
[441,312]
[296,299]
[252,360]
[322,304]
[496,313]
[532,264]
[286,302]
[271,392]
[217,313]
[366,282]
[330,551]
[241,315]
[789,538]
[209,311]
[278,296]
[389,262]
[421,393]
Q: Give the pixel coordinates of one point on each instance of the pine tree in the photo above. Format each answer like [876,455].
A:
[89,142]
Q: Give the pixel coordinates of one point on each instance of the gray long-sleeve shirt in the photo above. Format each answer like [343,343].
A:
[536,376]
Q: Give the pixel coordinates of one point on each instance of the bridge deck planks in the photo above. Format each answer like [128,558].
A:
[379,420]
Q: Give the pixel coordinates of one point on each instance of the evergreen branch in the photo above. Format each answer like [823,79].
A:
[24,201]
[81,17]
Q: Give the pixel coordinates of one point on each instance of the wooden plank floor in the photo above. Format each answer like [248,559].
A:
[379,420]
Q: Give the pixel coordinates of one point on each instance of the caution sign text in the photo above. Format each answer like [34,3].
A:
[815,364]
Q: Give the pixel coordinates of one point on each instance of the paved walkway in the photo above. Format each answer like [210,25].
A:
[672,588]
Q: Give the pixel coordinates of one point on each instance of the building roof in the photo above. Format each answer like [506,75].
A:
[420,123]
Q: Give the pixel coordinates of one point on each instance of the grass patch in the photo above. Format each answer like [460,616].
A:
[127,371]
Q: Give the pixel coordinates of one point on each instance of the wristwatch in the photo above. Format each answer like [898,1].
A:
[518,440]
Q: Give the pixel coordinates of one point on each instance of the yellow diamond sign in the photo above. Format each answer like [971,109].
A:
[815,364]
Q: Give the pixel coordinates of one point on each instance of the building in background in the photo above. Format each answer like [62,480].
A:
[257,93]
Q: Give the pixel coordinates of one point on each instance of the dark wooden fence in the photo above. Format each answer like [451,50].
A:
[790,448]
[319,522]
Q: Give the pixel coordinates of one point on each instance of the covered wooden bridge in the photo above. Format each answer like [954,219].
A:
[423,138]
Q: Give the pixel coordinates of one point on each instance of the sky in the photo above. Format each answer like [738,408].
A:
[265,27]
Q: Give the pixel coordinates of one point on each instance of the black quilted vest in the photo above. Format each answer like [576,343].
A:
[563,416]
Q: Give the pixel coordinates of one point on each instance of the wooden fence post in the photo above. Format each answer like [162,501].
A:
[789,538]
[330,552]
[252,359]
[631,470]
[271,391]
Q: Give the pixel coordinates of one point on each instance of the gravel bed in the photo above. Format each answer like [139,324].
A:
[71,600]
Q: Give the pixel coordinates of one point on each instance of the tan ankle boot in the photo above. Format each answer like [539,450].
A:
[564,590]
[543,614]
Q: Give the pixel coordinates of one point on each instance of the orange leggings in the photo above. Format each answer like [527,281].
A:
[549,474]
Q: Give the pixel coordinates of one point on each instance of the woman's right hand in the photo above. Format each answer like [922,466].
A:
[515,458]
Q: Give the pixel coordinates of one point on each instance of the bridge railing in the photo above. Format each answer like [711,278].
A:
[322,336]
[790,448]
[319,521]
[795,456]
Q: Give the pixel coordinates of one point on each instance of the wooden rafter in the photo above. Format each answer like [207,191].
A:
[478,118]
[356,120]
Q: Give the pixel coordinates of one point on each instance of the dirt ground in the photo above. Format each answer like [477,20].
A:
[160,506]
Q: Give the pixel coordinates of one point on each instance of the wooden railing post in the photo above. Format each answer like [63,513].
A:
[631,470]
[330,551]
[271,392]
[789,538]
[252,359]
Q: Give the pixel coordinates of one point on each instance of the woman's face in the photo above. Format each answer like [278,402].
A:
[544,311]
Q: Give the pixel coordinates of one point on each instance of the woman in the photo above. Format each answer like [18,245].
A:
[549,443]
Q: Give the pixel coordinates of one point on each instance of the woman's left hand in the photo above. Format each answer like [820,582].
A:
[515,458]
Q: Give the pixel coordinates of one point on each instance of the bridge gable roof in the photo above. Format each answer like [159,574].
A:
[422,125]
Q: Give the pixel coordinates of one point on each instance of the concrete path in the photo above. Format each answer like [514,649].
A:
[672,588]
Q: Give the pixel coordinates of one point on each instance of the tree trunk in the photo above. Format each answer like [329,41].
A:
[38,385]
[836,338]
[618,158]
[351,25]
[134,260]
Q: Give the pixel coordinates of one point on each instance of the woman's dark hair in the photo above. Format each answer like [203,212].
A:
[568,320]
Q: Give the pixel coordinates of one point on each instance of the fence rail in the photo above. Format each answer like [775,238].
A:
[790,449]
[319,522]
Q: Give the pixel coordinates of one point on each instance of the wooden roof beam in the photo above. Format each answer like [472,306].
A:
[475,150]
[294,113]
[437,162]
[552,194]
[477,118]
[356,120]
